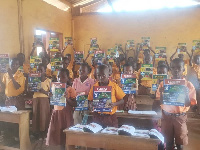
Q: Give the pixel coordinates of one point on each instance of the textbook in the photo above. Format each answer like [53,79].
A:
[129,83]
[196,45]
[92,127]
[4,63]
[110,130]
[112,54]
[93,45]
[156,80]
[130,44]
[147,71]
[102,98]
[58,91]
[78,127]
[181,48]
[34,82]
[99,55]
[160,53]
[126,130]
[56,64]
[34,62]
[78,57]
[145,42]
[174,93]
[82,102]
[54,44]
[68,41]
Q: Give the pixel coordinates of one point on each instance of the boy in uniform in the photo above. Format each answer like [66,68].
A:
[174,118]
[107,118]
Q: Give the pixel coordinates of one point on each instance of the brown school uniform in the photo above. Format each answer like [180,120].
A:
[61,118]
[108,118]
[174,118]
[41,108]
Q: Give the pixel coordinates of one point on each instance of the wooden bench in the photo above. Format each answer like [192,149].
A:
[21,118]
[107,141]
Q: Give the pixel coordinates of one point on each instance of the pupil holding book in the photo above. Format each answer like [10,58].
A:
[41,106]
[117,97]
[174,118]
[82,85]
[62,117]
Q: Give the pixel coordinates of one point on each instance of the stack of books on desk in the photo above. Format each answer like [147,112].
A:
[142,112]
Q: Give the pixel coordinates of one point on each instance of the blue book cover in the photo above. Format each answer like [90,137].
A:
[129,83]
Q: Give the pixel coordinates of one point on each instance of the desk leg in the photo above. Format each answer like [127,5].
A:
[25,143]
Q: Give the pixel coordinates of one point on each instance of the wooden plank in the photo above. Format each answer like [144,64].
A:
[9,117]
[107,141]
[7,148]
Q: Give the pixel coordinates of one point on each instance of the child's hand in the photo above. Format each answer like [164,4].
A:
[161,89]
[66,95]
[42,90]
[111,105]
[50,94]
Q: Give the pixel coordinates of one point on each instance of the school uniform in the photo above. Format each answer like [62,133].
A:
[91,75]
[174,118]
[108,118]
[41,108]
[81,87]
[14,96]
[61,118]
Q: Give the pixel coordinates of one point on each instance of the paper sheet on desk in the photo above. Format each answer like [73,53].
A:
[8,109]
[142,112]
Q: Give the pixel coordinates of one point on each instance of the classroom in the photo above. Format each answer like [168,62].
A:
[100,74]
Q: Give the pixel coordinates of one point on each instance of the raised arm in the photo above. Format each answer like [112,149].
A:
[171,58]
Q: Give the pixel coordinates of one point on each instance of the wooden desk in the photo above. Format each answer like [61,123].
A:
[21,118]
[106,141]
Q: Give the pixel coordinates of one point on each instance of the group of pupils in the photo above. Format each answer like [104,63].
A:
[53,122]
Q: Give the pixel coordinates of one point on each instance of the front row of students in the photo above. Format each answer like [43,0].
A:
[173,117]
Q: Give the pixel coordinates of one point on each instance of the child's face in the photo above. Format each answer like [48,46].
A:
[83,71]
[102,75]
[69,57]
[62,77]
[177,70]
[162,70]
[197,60]
[21,58]
[41,69]
[147,59]
[94,62]
[121,57]
[130,59]
[128,70]
[181,56]
[110,70]
[161,63]
[14,65]
[65,63]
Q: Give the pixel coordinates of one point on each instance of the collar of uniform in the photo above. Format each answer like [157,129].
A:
[79,79]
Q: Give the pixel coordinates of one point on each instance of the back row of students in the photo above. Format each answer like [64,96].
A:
[62,117]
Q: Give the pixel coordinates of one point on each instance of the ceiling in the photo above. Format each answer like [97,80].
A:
[82,3]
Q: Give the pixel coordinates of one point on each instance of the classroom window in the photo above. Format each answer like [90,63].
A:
[138,5]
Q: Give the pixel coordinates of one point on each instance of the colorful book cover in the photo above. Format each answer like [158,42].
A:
[160,53]
[4,63]
[112,54]
[56,64]
[181,48]
[34,82]
[78,56]
[99,55]
[129,83]
[68,41]
[37,39]
[93,45]
[102,98]
[54,44]
[156,80]
[196,45]
[58,91]
[82,102]
[174,93]
[34,62]
[145,42]
[130,44]
[147,71]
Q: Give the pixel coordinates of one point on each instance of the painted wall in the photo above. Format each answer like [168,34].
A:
[165,27]
[36,14]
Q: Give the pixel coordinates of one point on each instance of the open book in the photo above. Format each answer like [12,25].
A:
[77,127]
[142,112]
[126,130]
[110,130]
[92,127]
[8,109]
